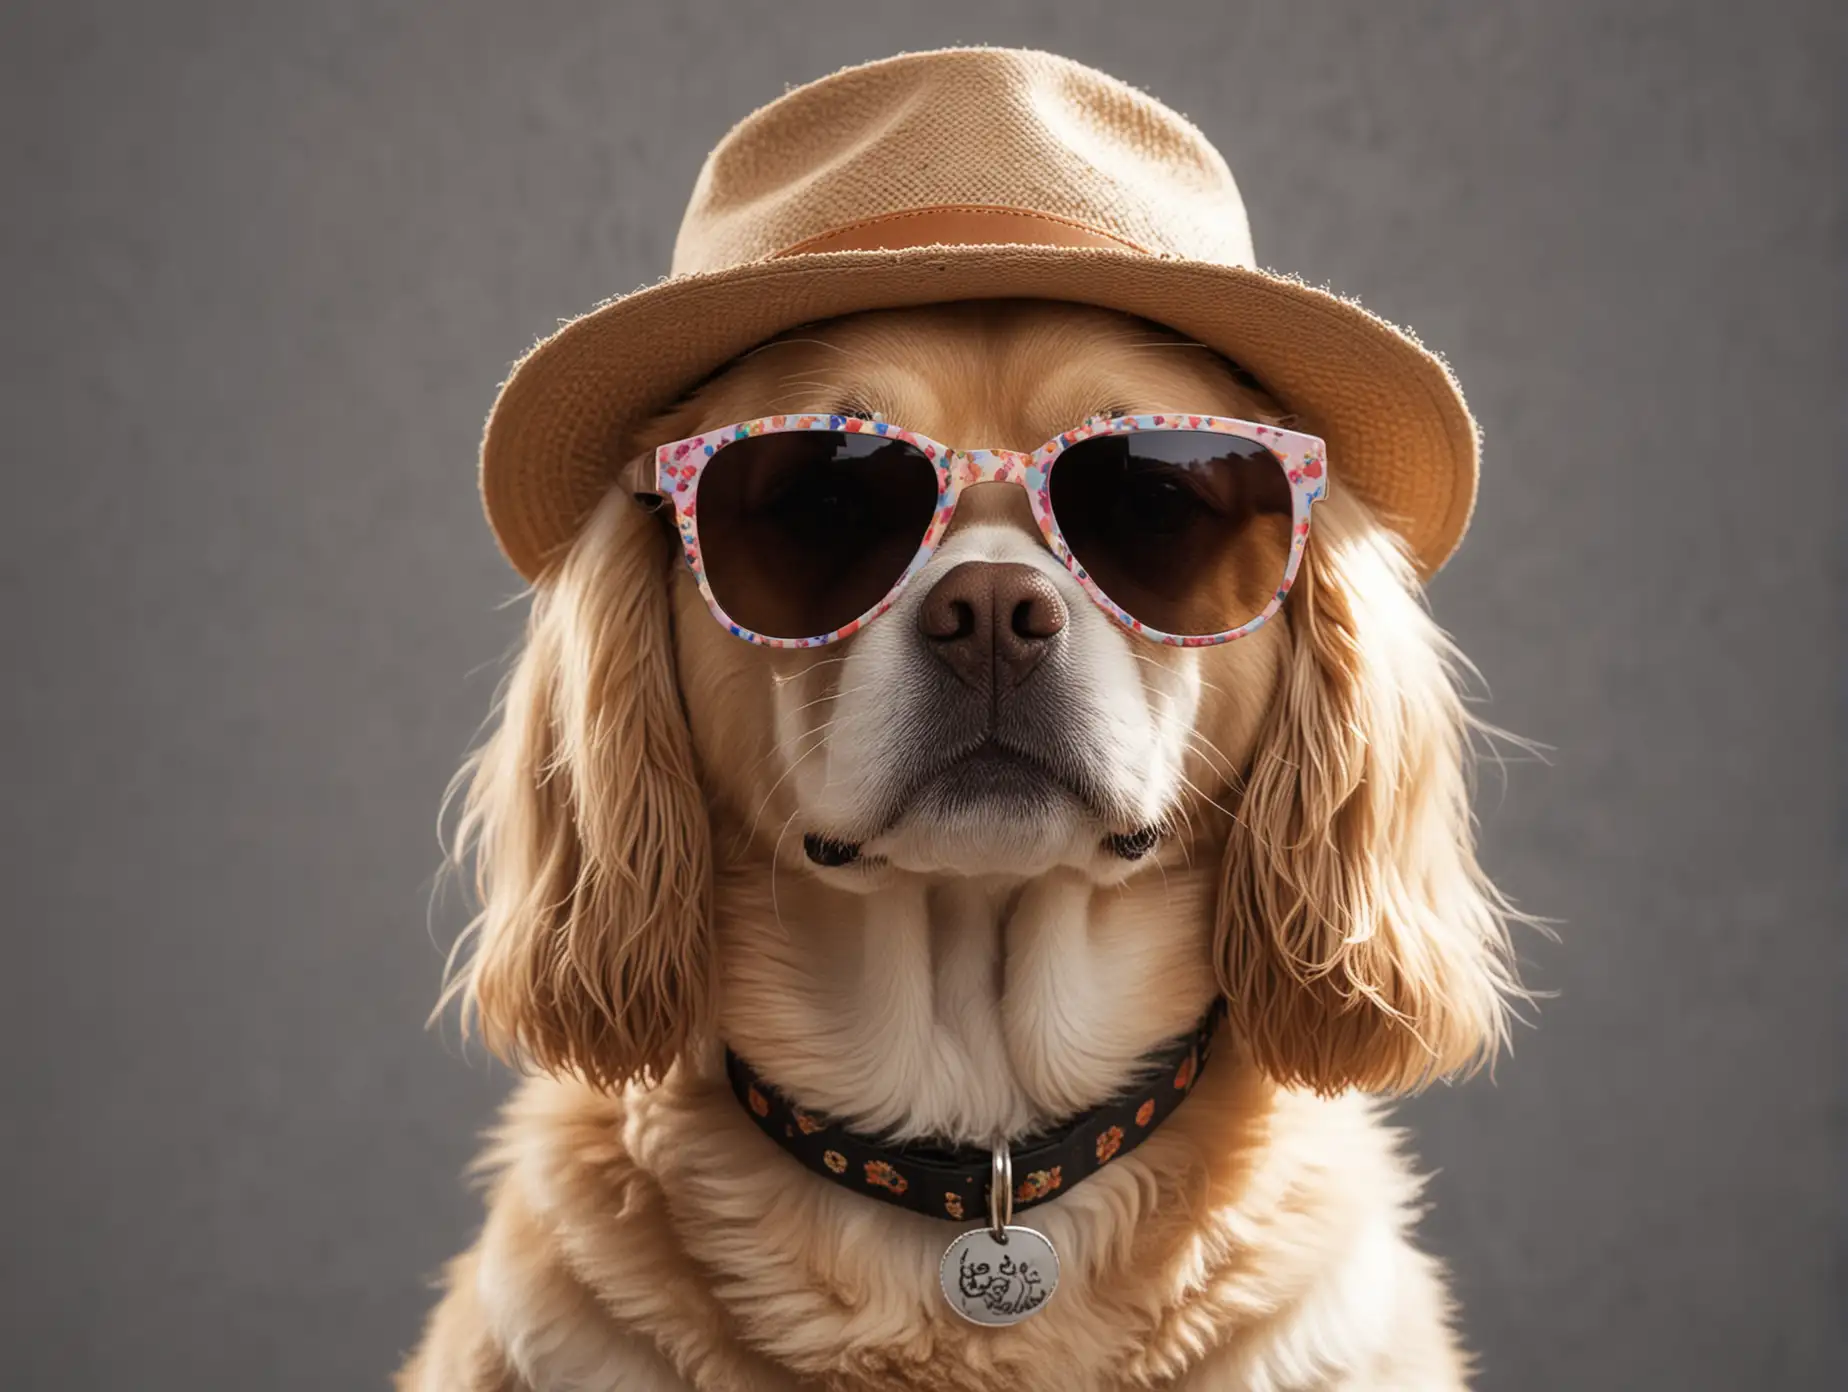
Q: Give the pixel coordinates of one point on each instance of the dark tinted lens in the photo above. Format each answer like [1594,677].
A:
[801,533]
[1188,531]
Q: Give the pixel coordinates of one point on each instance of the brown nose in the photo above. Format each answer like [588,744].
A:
[992,622]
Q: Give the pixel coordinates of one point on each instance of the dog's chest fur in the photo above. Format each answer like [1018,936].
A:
[1256,1242]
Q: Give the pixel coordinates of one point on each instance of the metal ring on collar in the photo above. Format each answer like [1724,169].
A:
[1001,1191]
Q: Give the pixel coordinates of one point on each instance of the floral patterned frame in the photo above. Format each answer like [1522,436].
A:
[680,465]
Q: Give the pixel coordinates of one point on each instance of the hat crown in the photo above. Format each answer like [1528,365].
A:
[1002,132]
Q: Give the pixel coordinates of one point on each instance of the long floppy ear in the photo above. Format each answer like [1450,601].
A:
[1359,943]
[584,818]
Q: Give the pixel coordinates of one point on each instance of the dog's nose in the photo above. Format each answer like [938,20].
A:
[992,622]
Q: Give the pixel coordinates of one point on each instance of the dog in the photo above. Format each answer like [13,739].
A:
[955,878]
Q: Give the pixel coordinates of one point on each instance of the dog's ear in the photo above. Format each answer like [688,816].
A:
[584,818]
[1359,944]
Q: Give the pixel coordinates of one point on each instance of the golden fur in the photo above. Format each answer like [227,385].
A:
[636,820]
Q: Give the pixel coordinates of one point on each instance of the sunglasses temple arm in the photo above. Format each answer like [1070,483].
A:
[640,480]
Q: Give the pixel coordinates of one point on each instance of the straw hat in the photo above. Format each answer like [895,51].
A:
[970,174]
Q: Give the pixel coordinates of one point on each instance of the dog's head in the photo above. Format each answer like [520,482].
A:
[994,721]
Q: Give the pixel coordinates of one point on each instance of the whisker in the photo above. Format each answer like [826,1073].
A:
[819,734]
[814,730]
[1168,671]
[751,830]
[1210,801]
[831,696]
[776,864]
[792,382]
[791,343]
[784,678]
[791,403]
[777,748]
[1230,770]
[1148,343]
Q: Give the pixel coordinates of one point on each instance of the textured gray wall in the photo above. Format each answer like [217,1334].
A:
[265,265]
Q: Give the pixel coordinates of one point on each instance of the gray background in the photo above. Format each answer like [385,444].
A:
[264,266]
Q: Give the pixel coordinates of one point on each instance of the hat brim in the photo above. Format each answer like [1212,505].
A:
[1397,429]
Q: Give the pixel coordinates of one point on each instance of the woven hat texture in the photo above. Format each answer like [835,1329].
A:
[970,174]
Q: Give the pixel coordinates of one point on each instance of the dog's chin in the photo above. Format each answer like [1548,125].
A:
[988,812]
[965,831]
[995,815]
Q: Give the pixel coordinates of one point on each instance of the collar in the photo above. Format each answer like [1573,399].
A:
[952,1181]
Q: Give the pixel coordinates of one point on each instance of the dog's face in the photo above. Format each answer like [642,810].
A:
[993,722]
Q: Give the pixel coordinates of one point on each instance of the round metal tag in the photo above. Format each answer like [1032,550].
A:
[997,1280]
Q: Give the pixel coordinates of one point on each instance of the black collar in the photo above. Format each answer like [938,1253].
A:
[952,1181]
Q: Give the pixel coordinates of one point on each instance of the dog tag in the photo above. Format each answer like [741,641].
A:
[999,1278]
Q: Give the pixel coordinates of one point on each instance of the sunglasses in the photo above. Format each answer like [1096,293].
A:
[802,529]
